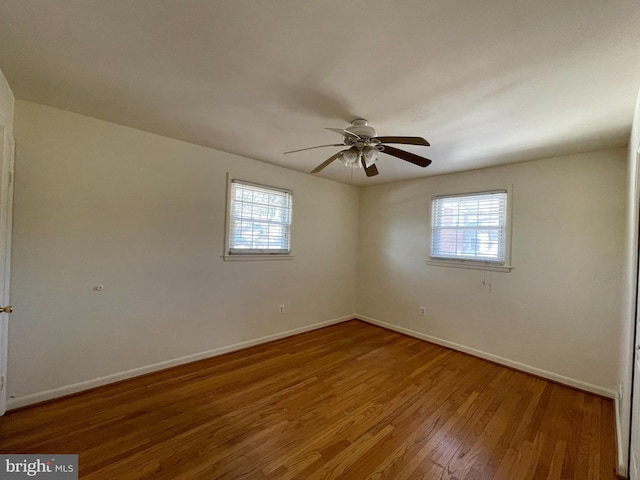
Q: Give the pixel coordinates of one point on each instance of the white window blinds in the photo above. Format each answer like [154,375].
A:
[260,219]
[469,227]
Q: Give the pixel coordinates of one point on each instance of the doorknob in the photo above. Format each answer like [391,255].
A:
[7,309]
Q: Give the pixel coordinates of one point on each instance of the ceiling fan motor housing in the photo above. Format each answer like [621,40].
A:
[362,128]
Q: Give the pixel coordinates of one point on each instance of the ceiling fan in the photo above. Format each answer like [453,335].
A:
[365,145]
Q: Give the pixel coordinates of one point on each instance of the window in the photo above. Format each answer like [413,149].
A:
[259,219]
[470,228]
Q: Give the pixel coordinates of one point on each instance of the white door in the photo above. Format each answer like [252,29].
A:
[6,202]
[634,459]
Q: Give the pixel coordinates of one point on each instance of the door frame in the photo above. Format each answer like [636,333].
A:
[635,359]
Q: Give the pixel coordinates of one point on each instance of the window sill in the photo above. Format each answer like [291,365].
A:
[250,257]
[488,267]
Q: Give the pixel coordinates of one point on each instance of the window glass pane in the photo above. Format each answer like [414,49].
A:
[469,227]
[260,219]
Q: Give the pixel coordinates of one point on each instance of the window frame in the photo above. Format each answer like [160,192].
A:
[236,254]
[470,263]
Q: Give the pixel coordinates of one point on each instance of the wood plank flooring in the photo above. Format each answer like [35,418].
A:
[350,401]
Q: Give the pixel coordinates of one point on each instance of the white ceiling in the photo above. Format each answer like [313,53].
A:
[487,83]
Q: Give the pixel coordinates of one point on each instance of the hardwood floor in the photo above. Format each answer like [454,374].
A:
[349,401]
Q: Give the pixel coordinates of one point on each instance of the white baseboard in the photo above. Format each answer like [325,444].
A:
[18,402]
[621,464]
[571,382]
[14,403]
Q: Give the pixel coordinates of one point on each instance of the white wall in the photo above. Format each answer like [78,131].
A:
[557,313]
[143,215]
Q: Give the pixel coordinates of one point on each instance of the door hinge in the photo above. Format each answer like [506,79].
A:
[10,178]
[1,383]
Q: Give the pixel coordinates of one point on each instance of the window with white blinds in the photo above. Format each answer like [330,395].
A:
[470,227]
[259,219]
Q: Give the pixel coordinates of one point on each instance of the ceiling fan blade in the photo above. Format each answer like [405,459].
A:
[408,156]
[404,140]
[326,162]
[345,133]
[371,171]
[319,146]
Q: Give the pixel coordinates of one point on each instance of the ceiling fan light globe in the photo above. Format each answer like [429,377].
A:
[349,157]
[370,155]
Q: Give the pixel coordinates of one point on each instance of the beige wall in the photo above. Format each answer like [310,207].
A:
[557,313]
[6,104]
[143,215]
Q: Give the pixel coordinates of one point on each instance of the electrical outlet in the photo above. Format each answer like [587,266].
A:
[281,309]
[423,311]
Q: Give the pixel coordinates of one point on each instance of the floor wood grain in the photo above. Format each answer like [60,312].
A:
[350,401]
